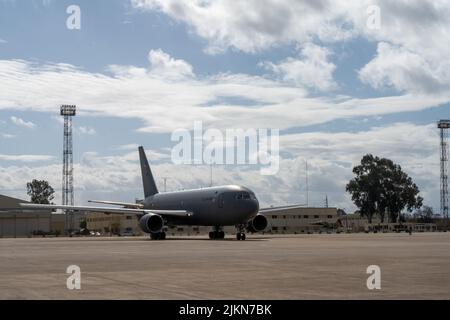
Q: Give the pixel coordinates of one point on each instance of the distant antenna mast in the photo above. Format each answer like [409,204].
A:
[68,111]
[307,187]
[444,125]
[326,201]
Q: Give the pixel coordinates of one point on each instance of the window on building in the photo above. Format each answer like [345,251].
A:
[316,217]
[274,217]
[129,217]
[274,228]
[284,217]
[329,217]
[306,217]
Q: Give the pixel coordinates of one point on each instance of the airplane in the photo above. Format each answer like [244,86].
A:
[220,206]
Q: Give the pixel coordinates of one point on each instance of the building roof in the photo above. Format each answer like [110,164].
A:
[10,202]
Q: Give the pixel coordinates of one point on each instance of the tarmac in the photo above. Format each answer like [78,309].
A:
[319,266]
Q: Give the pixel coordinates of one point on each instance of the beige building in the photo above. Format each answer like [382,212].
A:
[17,222]
[292,220]
[118,224]
[356,223]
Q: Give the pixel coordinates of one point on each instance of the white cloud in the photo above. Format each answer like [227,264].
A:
[168,104]
[86,130]
[312,69]
[416,29]
[162,66]
[330,156]
[254,25]
[3,41]
[151,154]
[130,146]
[7,135]
[25,157]
[22,123]
[404,70]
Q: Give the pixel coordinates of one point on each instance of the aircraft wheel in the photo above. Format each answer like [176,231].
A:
[238,236]
[163,236]
[211,235]
[243,236]
[221,235]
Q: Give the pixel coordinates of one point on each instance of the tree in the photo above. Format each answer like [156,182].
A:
[425,214]
[83,224]
[40,191]
[381,187]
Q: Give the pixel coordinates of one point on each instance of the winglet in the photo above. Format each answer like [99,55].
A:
[147,176]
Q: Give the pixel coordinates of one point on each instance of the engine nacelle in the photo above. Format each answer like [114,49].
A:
[257,224]
[151,223]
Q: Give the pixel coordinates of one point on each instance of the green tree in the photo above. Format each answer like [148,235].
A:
[40,191]
[425,214]
[83,224]
[381,187]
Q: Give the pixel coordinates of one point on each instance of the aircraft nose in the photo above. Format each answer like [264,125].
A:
[254,205]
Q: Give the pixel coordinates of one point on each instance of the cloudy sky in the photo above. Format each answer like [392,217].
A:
[334,79]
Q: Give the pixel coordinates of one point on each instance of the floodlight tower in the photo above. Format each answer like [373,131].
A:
[443,126]
[68,111]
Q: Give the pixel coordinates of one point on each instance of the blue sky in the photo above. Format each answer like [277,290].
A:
[140,69]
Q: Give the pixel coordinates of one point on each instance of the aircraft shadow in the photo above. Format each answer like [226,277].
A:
[205,239]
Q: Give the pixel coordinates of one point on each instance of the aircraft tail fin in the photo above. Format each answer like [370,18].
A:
[147,176]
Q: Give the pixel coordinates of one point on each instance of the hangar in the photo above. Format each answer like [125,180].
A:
[16,222]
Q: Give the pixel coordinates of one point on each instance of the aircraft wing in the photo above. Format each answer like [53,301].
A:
[272,209]
[123,204]
[108,210]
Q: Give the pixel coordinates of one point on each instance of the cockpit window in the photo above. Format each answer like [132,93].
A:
[243,196]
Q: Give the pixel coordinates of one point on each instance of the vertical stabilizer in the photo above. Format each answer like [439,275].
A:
[147,176]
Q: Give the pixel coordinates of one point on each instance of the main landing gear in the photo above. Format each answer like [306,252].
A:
[240,235]
[216,234]
[158,236]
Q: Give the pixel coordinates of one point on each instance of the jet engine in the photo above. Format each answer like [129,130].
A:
[151,223]
[257,224]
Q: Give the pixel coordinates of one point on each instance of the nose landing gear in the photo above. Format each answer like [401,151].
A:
[240,235]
